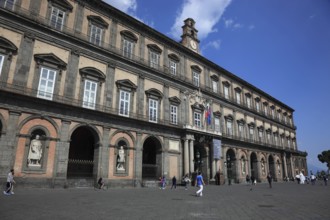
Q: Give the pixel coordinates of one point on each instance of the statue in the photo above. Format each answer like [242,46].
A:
[121,159]
[243,166]
[35,152]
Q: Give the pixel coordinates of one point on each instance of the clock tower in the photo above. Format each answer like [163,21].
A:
[189,35]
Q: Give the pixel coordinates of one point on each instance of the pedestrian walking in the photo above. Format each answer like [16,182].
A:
[325,179]
[186,181]
[200,183]
[253,180]
[9,184]
[313,179]
[269,178]
[247,178]
[173,182]
[163,182]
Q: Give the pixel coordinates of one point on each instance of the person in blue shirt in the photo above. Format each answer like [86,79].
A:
[200,183]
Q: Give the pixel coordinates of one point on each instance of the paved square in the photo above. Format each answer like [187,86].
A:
[283,201]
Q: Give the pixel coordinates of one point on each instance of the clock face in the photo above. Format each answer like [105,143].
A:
[193,44]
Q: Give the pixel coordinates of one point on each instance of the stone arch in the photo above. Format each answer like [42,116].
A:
[152,161]
[85,139]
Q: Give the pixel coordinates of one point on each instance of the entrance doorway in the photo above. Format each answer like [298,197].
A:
[81,153]
[152,159]
[254,165]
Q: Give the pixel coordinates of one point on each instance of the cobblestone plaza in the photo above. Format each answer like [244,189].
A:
[283,201]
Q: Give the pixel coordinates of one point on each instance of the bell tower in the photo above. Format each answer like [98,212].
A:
[189,35]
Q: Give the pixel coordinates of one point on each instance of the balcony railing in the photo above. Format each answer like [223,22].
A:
[164,70]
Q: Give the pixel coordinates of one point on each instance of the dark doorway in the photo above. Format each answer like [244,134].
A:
[152,159]
[81,153]
[254,165]
[272,167]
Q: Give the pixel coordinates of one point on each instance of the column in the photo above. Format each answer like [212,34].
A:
[138,161]
[186,157]
[284,166]
[191,155]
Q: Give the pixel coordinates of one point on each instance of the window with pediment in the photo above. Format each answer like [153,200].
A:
[217,121]
[251,127]
[7,50]
[198,110]
[248,100]
[173,64]
[226,86]
[92,79]
[215,83]
[49,69]
[257,101]
[97,27]
[154,98]
[154,55]
[229,124]
[58,13]
[126,90]
[238,95]
[196,72]
[241,124]
[174,106]
[128,42]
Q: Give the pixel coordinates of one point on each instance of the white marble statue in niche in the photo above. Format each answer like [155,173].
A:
[121,159]
[35,152]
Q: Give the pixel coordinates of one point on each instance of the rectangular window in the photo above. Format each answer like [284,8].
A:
[57,18]
[276,140]
[96,35]
[90,90]
[173,67]
[258,106]
[2,58]
[240,131]
[196,78]
[128,48]
[289,145]
[217,126]
[268,137]
[46,83]
[238,98]
[197,119]
[273,113]
[9,4]
[215,86]
[174,114]
[124,100]
[265,109]
[154,59]
[226,91]
[260,135]
[153,110]
[251,132]
[248,102]
[229,128]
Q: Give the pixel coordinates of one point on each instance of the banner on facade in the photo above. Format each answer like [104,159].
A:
[217,149]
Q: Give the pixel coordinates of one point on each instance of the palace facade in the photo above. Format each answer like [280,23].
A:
[87,91]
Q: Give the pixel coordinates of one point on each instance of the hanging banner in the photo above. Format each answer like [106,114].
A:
[216,149]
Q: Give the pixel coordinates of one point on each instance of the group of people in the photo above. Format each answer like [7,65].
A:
[199,182]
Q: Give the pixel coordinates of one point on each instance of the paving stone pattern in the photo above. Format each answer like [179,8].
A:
[283,201]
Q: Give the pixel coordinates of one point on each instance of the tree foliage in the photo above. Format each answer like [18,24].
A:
[324,157]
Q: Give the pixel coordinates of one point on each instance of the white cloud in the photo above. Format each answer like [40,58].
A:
[205,13]
[127,6]
[230,23]
[251,27]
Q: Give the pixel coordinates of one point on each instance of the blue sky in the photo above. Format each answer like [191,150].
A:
[280,46]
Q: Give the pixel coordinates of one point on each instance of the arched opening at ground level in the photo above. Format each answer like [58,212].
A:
[254,165]
[152,159]
[271,166]
[230,164]
[81,153]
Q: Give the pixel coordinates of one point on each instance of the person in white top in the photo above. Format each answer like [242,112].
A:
[10,182]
